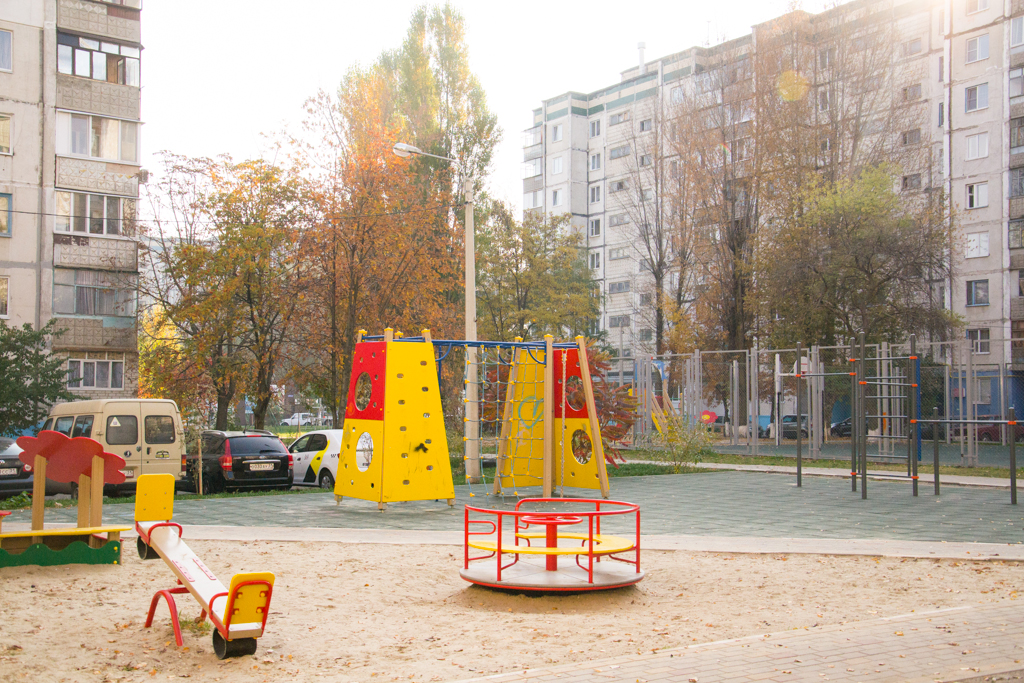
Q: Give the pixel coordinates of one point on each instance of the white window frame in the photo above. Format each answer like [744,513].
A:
[533,168]
[595,162]
[981,97]
[595,194]
[595,128]
[94,362]
[618,152]
[618,253]
[65,121]
[620,287]
[647,125]
[595,227]
[1017,31]
[10,133]
[557,165]
[977,245]
[977,195]
[10,42]
[9,196]
[595,260]
[556,197]
[556,132]
[533,200]
[979,46]
[73,221]
[974,6]
[977,146]
[981,340]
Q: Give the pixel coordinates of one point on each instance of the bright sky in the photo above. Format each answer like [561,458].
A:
[218,76]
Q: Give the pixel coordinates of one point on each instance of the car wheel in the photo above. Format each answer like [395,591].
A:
[985,437]
[326,480]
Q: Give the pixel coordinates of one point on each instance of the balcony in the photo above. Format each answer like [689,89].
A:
[75,250]
[97,176]
[1016,207]
[533,151]
[1017,308]
[534,183]
[97,97]
[96,334]
[96,19]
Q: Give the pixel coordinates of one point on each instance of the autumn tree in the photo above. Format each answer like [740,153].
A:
[533,279]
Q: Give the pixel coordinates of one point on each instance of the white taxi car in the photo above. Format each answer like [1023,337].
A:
[315,457]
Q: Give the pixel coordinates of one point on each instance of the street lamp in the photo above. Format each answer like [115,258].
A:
[472,440]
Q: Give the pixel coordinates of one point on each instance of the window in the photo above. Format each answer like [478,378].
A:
[912,137]
[618,287]
[160,429]
[93,213]
[618,152]
[912,47]
[976,97]
[91,292]
[1020,284]
[616,119]
[824,99]
[677,95]
[533,168]
[617,186]
[977,245]
[646,160]
[942,69]
[911,182]
[1015,235]
[595,128]
[556,165]
[556,197]
[977,195]
[94,136]
[618,321]
[912,92]
[976,6]
[4,284]
[942,112]
[63,424]
[646,334]
[595,227]
[645,299]
[96,374]
[977,293]
[556,132]
[826,57]
[5,134]
[100,61]
[595,260]
[122,430]
[646,125]
[977,146]
[1016,82]
[618,219]
[1016,31]
[977,49]
[1017,182]
[595,162]
[595,194]
[981,340]
[83,426]
[6,55]
[6,214]
[618,253]
[533,200]
[647,195]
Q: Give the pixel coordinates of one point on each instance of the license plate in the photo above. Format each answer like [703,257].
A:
[128,474]
[260,466]
[9,472]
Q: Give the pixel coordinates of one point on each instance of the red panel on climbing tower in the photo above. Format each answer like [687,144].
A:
[575,400]
[366,387]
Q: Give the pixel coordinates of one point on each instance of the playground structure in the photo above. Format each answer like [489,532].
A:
[537,418]
[239,612]
[80,460]
[532,538]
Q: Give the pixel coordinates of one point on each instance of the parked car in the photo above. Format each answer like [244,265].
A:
[315,456]
[254,459]
[992,433]
[789,427]
[15,477]
[928,430]
[157,448]
[298,420]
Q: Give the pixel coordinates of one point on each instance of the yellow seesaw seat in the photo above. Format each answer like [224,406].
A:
[239,611]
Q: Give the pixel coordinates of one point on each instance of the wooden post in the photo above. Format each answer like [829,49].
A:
[549,413]
[38,491]
[199,460]
[359,335]
[389,334]
[426,336]
[506,420]
[595,425]
[84,499]
[96,509]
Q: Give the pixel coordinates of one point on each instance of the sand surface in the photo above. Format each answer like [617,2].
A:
[346,612]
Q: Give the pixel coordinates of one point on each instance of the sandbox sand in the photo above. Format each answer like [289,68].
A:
[346,612]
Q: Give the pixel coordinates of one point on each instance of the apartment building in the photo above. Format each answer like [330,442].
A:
[69,178]
[958,68]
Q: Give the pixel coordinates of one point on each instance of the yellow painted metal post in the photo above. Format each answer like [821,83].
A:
[38,491]
[549,414]
[595,423]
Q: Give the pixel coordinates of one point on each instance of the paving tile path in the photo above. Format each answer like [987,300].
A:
[719,504]
[945,645]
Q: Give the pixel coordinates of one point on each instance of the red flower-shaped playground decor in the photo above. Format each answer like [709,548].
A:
[67,459]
